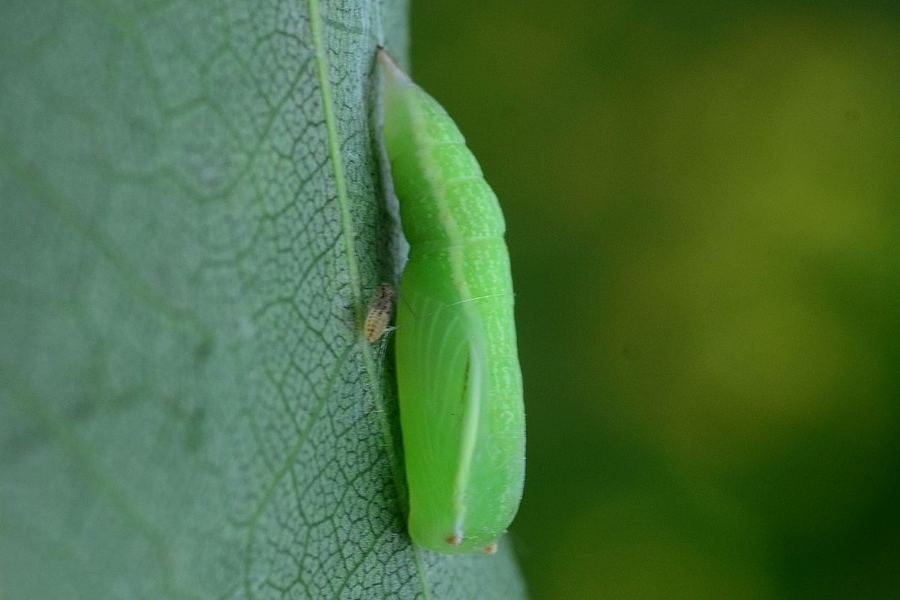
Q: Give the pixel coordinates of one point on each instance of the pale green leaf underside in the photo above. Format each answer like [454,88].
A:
[190,213]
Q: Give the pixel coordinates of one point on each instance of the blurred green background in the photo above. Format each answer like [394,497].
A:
[703,209]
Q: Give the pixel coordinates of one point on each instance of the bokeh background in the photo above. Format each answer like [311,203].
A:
[703,209]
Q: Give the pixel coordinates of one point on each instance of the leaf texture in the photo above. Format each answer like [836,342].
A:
[191,214]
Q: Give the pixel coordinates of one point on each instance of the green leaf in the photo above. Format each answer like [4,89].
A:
[191,220]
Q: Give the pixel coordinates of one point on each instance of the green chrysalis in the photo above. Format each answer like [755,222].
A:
[380,310]
[458,372]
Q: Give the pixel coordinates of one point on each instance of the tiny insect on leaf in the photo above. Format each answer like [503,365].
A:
[380,310]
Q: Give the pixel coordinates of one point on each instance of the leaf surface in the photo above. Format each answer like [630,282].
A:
[191,214]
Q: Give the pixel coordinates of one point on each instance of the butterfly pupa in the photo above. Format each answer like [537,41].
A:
[458,375]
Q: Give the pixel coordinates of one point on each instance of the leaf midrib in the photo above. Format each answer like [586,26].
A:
[349,235]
